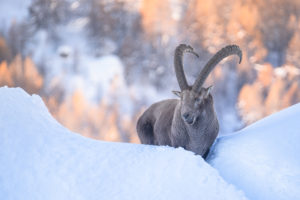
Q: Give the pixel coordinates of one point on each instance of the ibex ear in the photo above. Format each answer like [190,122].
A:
[177,93]
[208,91]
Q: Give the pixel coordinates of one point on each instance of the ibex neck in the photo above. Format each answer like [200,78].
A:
[179,131]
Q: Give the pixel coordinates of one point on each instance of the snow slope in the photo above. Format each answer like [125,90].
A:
[40,159]
[263,159]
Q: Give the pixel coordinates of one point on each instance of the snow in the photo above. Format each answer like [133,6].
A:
[40,159]
[263,159]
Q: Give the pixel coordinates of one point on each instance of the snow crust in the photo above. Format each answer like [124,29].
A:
[263,159]
[40,159]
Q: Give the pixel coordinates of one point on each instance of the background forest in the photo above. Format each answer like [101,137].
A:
[99,63]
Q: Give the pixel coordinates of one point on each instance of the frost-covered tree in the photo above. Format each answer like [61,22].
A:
[17,38]
[47,13]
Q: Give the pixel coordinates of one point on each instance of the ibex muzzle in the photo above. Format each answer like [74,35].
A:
[190,122]
[192,104]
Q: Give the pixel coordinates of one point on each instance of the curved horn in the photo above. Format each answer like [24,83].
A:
[179,51]
[210,65]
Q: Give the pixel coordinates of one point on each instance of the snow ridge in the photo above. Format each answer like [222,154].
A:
[263,159]
[40,159]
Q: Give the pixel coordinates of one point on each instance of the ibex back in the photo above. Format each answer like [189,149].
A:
[190,122]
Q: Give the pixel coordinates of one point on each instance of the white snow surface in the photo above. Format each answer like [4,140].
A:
[263,159]
[40,159]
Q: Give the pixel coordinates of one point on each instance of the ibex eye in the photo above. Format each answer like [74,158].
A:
[198,99]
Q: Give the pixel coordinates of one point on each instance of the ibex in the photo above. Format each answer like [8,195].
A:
[190,122]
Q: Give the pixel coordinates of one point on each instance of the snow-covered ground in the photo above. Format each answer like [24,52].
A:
[263,159]
[40,159]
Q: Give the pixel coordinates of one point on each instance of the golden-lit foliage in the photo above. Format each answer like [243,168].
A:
[271,91]
[5,53]
[5,75]
[157,17]
[251,102]
[21,73]
[244,15]
[99,121]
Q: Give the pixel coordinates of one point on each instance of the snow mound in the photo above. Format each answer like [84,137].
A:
[40,159]
[263,159]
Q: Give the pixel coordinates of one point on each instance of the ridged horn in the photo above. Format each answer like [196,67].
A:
[178,57]
[210,65]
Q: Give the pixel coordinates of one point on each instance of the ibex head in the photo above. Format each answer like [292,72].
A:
[197,100]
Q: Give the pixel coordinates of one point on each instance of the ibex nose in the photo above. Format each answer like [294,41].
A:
[185,116]
[188,118]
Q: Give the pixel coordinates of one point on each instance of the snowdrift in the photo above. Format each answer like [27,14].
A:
[40,159]
[263,159]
